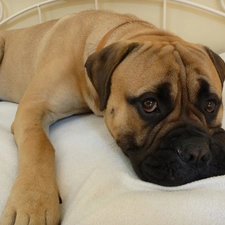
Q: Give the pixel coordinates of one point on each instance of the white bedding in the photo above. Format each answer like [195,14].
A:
[98,185]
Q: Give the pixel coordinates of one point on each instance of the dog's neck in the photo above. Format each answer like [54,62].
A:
[107,35]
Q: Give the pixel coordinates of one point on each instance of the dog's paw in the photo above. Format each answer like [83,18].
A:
[33,205]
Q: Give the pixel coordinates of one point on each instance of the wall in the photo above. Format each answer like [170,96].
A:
[191,24]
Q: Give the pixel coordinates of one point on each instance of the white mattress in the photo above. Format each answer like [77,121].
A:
[98,185]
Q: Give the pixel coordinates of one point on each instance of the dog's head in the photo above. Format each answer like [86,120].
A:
[162,103]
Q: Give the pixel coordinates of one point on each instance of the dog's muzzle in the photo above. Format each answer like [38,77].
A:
[184,156]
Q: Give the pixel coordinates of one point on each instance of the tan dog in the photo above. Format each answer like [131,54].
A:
[160,97]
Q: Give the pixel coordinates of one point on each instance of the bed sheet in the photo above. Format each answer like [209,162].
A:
[98,185]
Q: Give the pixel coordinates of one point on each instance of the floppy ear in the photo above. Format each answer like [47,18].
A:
[101,65]
[218,63]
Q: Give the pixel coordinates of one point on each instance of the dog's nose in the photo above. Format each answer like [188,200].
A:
[194,153]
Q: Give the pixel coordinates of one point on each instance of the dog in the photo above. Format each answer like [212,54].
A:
[161,98]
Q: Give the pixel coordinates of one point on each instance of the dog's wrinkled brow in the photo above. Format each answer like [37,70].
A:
[205,89]
[162,91]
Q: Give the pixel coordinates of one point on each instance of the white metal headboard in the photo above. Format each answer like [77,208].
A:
[96,2]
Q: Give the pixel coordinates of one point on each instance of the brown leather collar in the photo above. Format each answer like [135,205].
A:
[106,36]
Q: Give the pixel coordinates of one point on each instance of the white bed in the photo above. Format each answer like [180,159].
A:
[98,185]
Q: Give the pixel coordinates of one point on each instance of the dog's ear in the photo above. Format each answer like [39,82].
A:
[101,65]
[218,63]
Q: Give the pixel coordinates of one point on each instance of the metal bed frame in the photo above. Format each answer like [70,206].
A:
[96,3]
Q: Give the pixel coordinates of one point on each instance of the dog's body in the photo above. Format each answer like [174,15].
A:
[162,104]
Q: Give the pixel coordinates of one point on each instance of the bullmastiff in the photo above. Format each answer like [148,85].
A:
[161,98]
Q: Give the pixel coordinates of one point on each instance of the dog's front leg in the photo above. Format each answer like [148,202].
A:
[34,198]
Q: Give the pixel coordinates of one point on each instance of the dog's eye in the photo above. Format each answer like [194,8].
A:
[210,106]
[150,105]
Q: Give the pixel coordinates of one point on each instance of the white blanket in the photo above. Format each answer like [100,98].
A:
[98,185]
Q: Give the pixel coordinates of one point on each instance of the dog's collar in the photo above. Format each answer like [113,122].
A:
[106,36]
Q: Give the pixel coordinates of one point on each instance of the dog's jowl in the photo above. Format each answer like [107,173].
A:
[161,98]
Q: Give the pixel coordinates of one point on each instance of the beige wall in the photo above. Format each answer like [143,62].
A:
[192,24]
